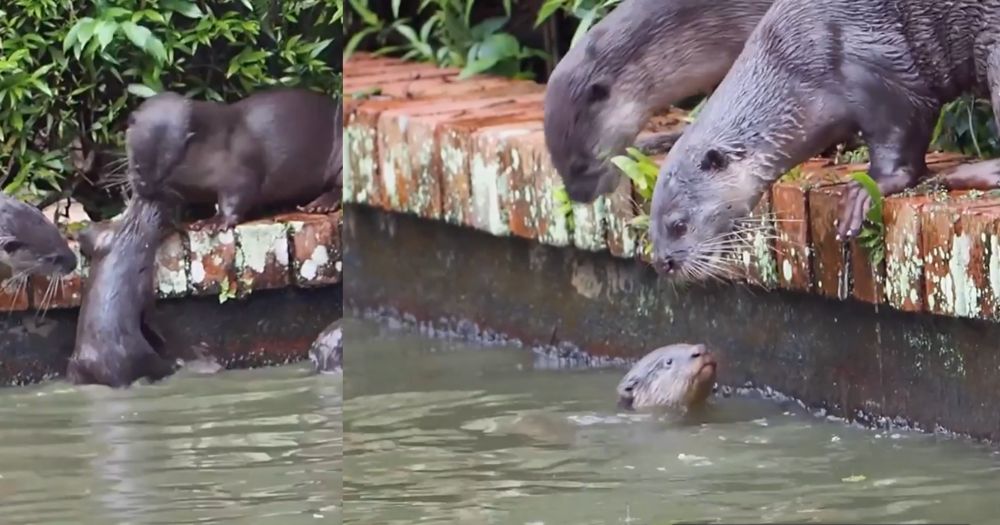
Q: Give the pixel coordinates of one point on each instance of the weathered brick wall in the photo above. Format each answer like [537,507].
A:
[298,249]
[420,141]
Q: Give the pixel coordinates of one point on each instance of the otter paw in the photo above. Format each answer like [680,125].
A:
[853,206]
[318,210]
[213,225]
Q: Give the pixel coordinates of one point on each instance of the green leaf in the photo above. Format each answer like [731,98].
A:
[141,90]
[870,186]
[547,10]
[106,32]
[184,8]
[137,34]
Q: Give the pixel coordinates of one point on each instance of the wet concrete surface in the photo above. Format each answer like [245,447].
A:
[859,361]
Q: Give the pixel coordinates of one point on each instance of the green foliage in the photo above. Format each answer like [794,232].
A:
[588,12]
[967,125]
[872,236]
[643,172]
[564,206]
[447,36]
[71,71]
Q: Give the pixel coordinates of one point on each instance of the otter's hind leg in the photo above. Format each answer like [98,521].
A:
[658,144]
[984,175]
[328,202]
[897,147]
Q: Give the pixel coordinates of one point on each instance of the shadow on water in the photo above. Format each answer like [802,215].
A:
[260,446]
[447,432]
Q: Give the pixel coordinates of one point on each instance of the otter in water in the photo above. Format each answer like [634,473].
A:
[812,71]
[327,352]
[274,148]
[30,244]
[116,342]
[673,377]
[641,58]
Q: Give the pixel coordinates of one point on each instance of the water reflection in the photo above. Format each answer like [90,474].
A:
[260,446]
[443,432]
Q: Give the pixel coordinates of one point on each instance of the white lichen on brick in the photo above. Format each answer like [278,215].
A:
[171,282]
[966,293]
[259,243]
[318,260]
[589,231]
[397,157]
[422,195]
[359,164]
[786,270]
[486,180]
[902,274]
[454,165]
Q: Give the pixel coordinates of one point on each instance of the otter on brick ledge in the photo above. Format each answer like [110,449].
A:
[275,148]
[643,57]
[811,71]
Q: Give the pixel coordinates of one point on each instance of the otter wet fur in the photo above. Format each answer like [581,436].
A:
[810,72]
[641,58]
[677,377]
[115,343]
[30,244]
[327,351]
[273,149]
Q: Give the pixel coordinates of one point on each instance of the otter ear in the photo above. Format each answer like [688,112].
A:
[714,160]
[597,92]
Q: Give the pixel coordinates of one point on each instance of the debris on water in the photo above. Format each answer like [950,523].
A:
[695,461]
[834,439]
[854,479]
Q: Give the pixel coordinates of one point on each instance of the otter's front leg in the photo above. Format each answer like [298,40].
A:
[234,205]
[984,175]
[897,149]
[328,202]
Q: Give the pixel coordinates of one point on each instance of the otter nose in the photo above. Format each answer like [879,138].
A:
[665,264]
[64,261]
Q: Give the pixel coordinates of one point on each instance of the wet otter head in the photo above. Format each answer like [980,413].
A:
[678,376]
[29,243]
[642,57]
[158,134]
[698,218]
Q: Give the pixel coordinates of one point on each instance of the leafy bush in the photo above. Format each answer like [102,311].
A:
[71,71]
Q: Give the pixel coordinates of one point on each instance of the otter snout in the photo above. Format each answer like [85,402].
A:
[61,263]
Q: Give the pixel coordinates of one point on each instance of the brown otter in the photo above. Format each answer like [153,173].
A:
[811,71]
[116,342]
[327,352]
[30,244]
[274,148]
[677,376]
[641,58]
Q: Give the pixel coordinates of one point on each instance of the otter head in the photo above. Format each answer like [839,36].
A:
[30,244]
[641,58]
[675,376]
[701,198]
[156,140]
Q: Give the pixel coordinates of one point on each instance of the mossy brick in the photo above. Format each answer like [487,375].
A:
[981,223]
[408,161]
[590,224]
[315,245]
[948,283]
[550,222]
[171,267]
[904,257]
[262,256]
[494,159]
[623,240]
[756,254]
[792,252]
[362,183]
[455,143]
[212,257]
[65,294]
[831,277]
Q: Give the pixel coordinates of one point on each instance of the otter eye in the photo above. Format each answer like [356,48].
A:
[13,246]
[696,355]
[597,93]
[670,362]
[677,228]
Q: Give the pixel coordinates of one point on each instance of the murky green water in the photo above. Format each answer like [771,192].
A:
[261,446]
[444,432]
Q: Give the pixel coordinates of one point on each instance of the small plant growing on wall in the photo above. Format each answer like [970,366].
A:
[872,236]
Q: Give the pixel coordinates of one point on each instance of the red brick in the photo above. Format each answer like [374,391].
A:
[213,261]
[792,251]
[551,225]
[262,257]
[453,87]
[68,294]
[623,239]
[372,80]
[948,263]
[829,256]
[904,256]
[757,259]
[315,245]
[409,159]
[980,223]
[867,280]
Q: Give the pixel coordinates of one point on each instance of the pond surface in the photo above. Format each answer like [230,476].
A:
[447,432]
[259,446]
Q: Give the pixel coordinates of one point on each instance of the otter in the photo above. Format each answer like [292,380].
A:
[30,244]
[275,148]
[641,58]
[809,72]
[674,377]
[327,352]
[117,342]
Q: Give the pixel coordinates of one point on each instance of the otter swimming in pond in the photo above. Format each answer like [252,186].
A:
[641,58]
[327,351]
[116,341]
[811,72]
[275,148]
[679,376]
